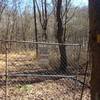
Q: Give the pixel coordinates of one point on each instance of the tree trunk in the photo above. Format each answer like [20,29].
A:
[94,16]
[62,48]
[45,20]
[35,22]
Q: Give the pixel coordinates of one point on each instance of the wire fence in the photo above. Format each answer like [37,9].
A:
[26,76]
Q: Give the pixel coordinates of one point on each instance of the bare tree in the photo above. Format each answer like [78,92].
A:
[2,7]
[35,25]
[43,18]
[60,30]
[62,18]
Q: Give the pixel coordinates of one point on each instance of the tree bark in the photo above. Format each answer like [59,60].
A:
[62,48]
[94,16]
[35,25]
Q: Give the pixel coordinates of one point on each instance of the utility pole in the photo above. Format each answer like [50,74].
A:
[94,16]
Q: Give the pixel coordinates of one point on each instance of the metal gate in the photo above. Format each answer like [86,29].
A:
[24,76]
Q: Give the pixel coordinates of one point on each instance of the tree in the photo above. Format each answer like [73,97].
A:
[43,17]
[94,16]
[35,25]
[60,33]
[2,7]
[62,19]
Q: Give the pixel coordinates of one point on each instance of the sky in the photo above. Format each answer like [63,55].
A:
[76,2]
[81,2]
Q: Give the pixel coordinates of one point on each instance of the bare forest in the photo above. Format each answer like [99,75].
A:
[44,50]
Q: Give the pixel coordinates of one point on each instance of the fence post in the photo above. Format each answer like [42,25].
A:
[6,71]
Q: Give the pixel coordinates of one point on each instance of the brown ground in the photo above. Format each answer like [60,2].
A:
[59,89]
[47,90]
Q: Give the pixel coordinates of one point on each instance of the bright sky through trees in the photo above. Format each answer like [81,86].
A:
[81,2]
[75,2]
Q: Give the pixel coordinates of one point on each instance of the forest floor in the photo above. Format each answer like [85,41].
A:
[47,90]
[38,89]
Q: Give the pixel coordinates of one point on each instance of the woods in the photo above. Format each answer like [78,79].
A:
[60,35]
[21,25]
[44,43]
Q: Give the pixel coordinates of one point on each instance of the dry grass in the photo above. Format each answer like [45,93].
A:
[26,60]
[61,89]
[17,59]
[47,90]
